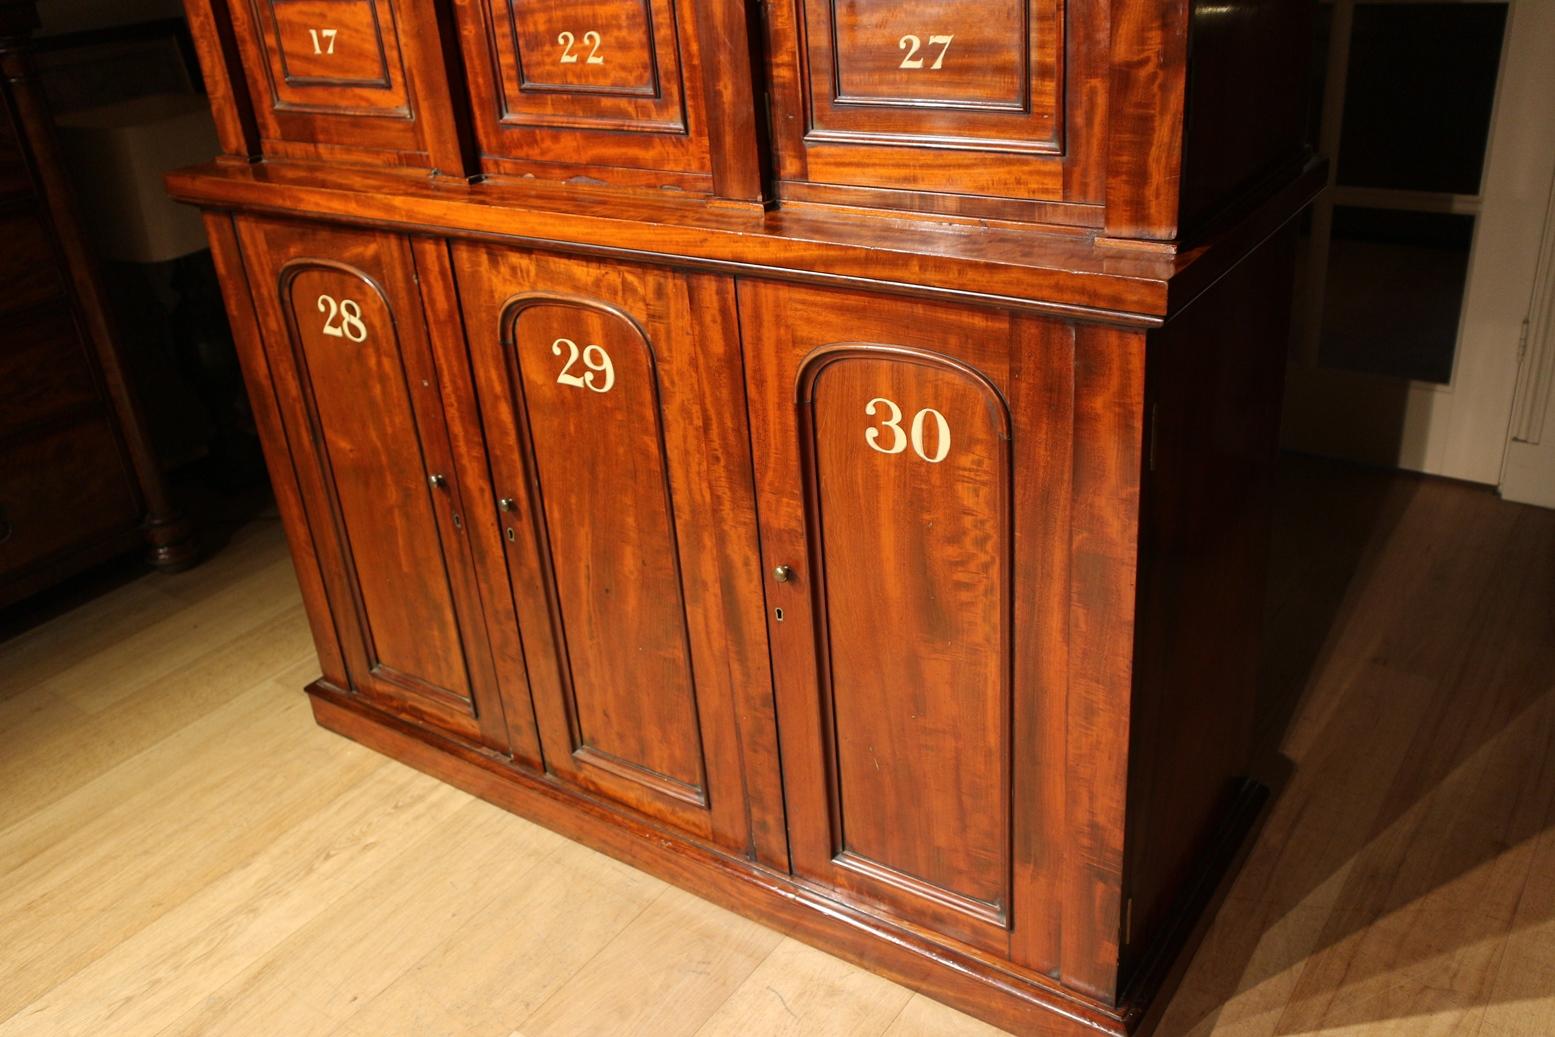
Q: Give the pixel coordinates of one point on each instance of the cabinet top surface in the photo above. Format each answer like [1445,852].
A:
[1065,272]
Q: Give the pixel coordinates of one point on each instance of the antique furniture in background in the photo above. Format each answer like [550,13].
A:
[818,452]
[80,481]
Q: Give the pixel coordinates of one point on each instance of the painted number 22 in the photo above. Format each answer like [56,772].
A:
[594,358]
[343,319]
[590,38]
[913,46]
[900,437]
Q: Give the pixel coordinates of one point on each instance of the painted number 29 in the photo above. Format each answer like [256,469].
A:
[323,40]
[900,437]
[914,46]
[343,319]
[601,374]
[590,38]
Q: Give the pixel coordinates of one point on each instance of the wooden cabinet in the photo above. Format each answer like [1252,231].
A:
[805,458]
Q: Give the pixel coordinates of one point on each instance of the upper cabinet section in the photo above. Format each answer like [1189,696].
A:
[1079,112]
[1138,119]
[645,93]
[347,81]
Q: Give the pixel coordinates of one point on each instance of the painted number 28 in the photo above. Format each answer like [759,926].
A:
[914,47]
[601,374]
[900,437]
[343,319]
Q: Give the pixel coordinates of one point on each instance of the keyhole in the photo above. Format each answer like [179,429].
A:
[778,615]
[511,535]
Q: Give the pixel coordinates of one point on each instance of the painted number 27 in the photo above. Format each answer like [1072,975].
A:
[601,374]
[914,46]
[900,437]
[343,319]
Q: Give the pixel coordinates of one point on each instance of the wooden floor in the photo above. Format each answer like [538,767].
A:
[183,852]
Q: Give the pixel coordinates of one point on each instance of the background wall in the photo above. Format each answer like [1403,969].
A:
[78,15]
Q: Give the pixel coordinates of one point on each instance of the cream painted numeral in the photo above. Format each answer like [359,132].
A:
[913,45]
[324,40]
[594,358]
[591,39]
[343,319]
[900,437]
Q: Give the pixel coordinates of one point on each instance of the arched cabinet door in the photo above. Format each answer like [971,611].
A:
[892,445]
[354,376]
[615,417]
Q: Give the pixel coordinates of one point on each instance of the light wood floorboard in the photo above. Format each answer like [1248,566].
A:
[185,853]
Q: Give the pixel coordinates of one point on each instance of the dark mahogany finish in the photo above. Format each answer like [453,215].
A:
[890,576]
[80,481]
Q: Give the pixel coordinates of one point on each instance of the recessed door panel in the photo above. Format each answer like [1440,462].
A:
[901,463]
[910,495]
[589,386]
[615,418]
[347,344]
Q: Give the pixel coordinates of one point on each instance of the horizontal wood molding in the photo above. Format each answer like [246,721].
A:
[1063,273]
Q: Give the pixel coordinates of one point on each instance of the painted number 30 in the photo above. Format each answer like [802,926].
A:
[601,375]
[900,437]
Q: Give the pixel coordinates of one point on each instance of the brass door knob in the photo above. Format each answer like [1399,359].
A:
[508,504]
[438,481]
[783,573]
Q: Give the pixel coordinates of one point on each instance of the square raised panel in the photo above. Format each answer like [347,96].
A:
[608,64]
[334,55]
[352,81]
[974,74]
[330,43]
[968,56]
[954,106]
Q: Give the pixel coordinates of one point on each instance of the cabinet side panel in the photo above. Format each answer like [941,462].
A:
[1247,99]
[1214,389]
[1108,435]
[272,436]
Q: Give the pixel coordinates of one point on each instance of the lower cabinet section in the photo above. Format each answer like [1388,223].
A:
[819,602]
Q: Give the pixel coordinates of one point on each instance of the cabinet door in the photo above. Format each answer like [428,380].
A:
[615,417]
[962,98]
[654,93]
[902,452]
[348,80]
[361,400]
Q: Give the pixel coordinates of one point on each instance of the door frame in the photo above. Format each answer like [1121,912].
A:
[1457,429]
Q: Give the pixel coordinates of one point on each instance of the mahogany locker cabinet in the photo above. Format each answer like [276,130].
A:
[817,452]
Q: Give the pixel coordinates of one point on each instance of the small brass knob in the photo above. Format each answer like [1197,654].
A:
[508,504]
[783,573]
[438,481]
